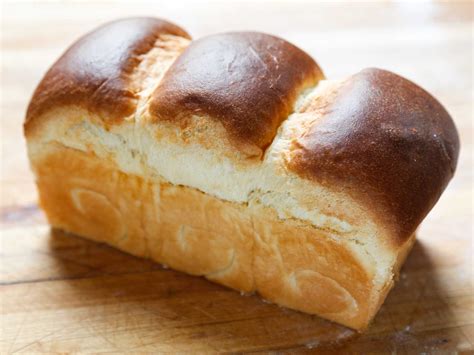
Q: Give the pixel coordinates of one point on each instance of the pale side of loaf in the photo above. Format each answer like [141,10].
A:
[231,157]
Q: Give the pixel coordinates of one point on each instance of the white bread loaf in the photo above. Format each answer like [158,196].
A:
[231,157]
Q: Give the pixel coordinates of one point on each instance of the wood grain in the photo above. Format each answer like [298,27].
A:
[60,293]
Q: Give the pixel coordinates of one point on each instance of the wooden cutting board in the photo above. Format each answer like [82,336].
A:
[60,293]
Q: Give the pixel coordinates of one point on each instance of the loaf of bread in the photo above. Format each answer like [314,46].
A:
[233,158]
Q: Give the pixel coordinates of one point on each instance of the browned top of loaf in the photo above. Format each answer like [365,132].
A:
[380,137]
[247,81]
[95,71]
[386,141]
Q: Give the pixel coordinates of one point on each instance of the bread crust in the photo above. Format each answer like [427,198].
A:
[247,81]
[247,248]
[96,71]
[387,142]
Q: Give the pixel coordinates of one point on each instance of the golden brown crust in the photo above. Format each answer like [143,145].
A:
[387,142]
[244,247]
[247,81]
[95,71]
